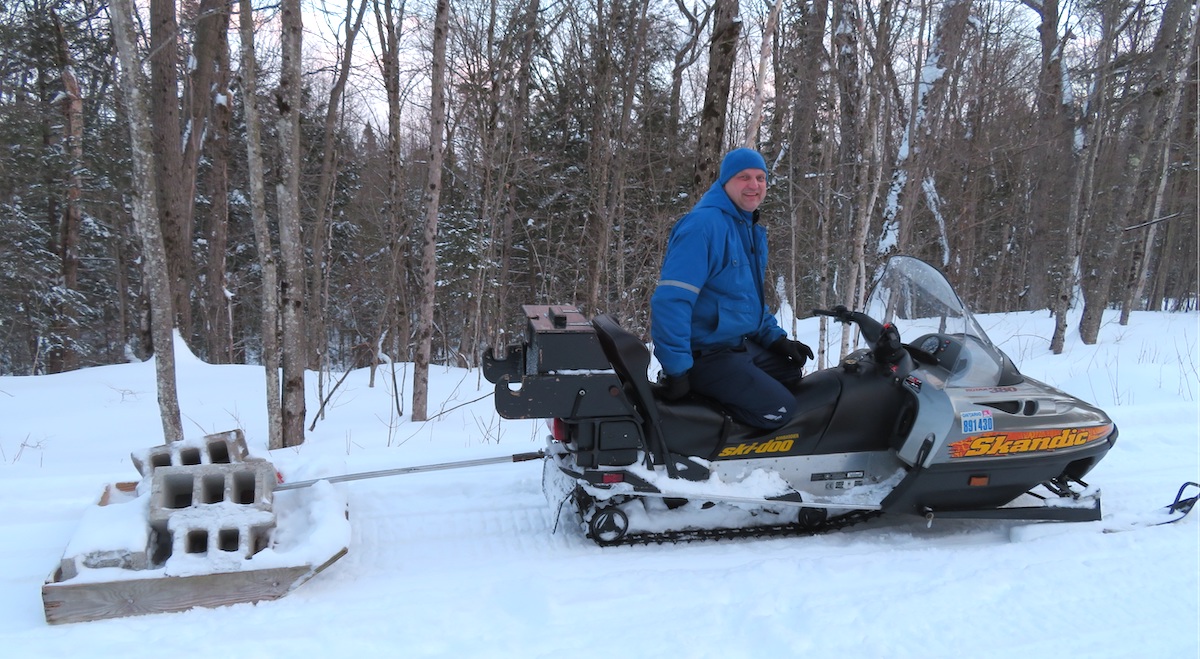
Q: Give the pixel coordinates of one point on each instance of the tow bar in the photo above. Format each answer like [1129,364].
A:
[518,457]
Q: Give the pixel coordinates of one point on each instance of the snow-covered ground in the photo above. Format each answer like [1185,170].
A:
[467,563]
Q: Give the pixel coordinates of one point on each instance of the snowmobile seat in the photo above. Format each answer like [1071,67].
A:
[631,360]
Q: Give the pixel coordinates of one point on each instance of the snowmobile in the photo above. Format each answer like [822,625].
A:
[943,426]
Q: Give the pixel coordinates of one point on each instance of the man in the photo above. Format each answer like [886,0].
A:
[710,325]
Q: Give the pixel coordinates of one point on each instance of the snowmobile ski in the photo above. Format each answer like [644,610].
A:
[1180,508]
[1168,514]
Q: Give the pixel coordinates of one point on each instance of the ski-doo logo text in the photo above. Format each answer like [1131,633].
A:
[781,444]
[1025,442]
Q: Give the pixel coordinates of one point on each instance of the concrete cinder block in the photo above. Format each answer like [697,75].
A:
[119,518]
[225,509]
[240,536]
[126,559]
[250,484]
[219,448]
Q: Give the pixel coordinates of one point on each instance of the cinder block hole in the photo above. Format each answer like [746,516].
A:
[212,488]
[243,487]
[261,540]
[160,460]
[227,539]
[197,542]
[218,452]
[189,456]
[177,491]
[160,547]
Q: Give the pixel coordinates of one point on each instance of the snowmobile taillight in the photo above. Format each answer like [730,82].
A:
[614,478]
[558,430]
[978,481]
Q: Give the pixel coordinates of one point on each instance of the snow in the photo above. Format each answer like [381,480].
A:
[468,562]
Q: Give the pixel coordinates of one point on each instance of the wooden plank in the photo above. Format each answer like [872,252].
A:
[66,602]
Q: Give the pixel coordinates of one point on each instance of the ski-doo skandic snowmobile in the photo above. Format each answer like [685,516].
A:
[941,426]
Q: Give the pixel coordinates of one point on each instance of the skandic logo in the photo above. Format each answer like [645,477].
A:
[1026,442]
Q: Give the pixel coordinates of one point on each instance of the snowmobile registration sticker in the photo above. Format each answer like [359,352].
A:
[977,421]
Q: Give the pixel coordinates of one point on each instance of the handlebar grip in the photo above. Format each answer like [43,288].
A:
[839,312]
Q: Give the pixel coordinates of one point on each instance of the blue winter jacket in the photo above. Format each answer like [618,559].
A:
[710,294]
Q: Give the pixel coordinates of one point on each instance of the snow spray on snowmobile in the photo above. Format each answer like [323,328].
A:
[943,426]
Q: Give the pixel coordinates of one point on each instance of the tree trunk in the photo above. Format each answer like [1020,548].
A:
[145,218]
[323,206]
[1175,80]
[601,148]
[924,131]
[168,152]
[200,97]
[219,305]
[764,56]
[721,56]
[262,232]
[64,355]
[847,169]
[684,57]
[287,191]
[437,128]
[1105,238]
[516,160]
[392,318]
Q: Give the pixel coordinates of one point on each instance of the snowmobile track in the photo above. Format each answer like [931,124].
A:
[770,531]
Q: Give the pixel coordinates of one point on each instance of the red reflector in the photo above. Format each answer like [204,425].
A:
[614,478]
[977,481]
[558,430]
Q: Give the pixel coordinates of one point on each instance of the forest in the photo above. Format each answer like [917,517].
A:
[341,184]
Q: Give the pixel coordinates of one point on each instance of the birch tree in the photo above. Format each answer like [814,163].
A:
[924,132]
[847,212]
[262,231]
[287,192]
[145,218]
[393,315]
[437,128]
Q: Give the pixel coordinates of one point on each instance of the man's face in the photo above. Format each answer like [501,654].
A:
[747,188]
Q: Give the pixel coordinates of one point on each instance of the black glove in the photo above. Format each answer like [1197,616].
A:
[793,350]
[675,387]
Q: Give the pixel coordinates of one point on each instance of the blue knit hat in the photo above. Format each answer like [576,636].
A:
[737,160]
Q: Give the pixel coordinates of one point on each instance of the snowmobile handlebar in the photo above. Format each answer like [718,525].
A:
[884,338]
[871,329]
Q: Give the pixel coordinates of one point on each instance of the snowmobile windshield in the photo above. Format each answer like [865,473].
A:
[920,302]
